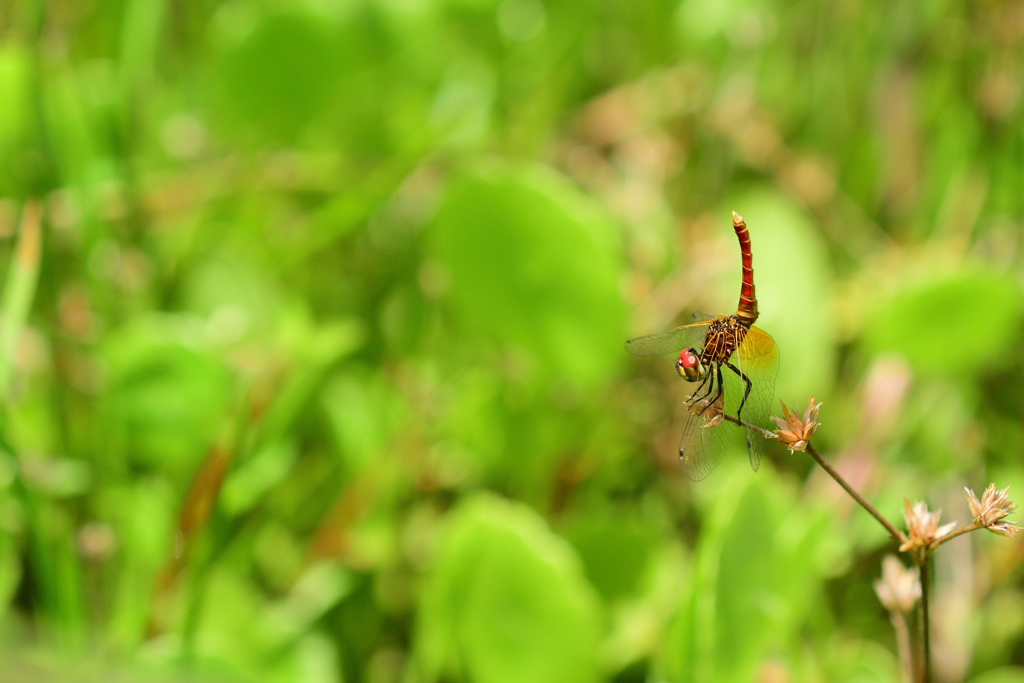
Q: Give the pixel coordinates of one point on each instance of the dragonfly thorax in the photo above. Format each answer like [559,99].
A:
[725,334]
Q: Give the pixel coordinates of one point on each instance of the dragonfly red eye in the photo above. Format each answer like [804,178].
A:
[688,366]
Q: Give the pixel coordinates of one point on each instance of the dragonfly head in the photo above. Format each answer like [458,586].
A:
[689,366]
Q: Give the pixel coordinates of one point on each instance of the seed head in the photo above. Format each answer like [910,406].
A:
[899,588]
[795,432]
[994,506]
[922,526]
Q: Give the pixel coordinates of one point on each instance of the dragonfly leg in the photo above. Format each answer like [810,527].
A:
[709,382]
[743,401]
[718,394]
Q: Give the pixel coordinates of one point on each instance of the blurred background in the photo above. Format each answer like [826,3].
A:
[311,352]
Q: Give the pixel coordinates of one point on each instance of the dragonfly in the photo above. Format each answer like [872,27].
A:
[733,365]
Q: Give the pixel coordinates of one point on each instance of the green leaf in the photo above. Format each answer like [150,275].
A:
[248,482]
[20,288]
[167,393]
[758,568]
[142,514]
[10,570]
[506,602]
[534,264]
[314,350]
[363,412]
[862,662]
[321,586]
[616,553]
[15,75]
[1009,674]
[957,324]
[140,40]
[745,593]
[276,69]
[238,296]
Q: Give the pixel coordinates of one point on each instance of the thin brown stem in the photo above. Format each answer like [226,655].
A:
[893,531]
[926,639]
[953,534]
[736,421]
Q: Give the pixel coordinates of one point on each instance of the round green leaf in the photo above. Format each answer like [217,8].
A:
[507,602]
[955,325]
[534,264]
[276,70]
[167,395]
[615,551]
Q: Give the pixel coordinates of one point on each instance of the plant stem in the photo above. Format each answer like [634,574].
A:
[953,534]
[926,620]
[893,531]
[736,421]
[899,624]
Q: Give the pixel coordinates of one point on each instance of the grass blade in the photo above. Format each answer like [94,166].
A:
[20,288]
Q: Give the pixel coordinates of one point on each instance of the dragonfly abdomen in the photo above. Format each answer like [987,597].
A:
[747,309]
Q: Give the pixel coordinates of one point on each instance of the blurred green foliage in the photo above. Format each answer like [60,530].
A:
[311,344]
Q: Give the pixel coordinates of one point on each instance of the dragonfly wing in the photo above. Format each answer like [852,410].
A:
[672,341]
[703,442]
[757,360]
[702,318]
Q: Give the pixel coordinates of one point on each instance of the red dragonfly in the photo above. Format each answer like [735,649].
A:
[733,365]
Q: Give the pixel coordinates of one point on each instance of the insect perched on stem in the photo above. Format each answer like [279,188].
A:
[733,365]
